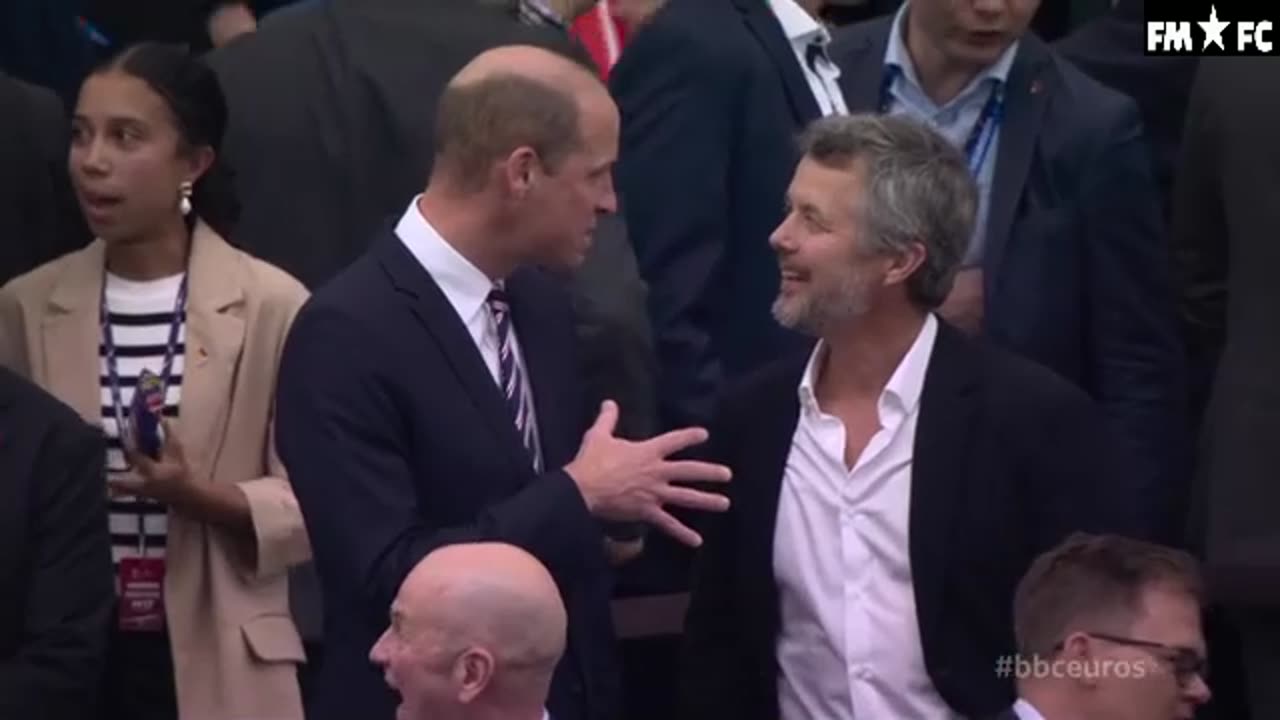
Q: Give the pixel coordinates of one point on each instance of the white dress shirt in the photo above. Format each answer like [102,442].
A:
[467,289]
[849,647]
[802,30]
[1026,711]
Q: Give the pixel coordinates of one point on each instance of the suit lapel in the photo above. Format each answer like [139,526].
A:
[762,23]
[1026,96]
[72,332]
[215,336]
[861,64]
[764,449]
[941,459]
[428,303]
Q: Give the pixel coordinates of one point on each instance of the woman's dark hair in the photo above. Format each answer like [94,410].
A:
[194,96]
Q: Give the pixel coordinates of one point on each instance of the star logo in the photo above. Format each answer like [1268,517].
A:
[1213,30]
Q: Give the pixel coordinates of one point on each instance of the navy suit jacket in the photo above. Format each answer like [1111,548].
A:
[1078,272]
[712,99]
[1008,460]
[398,441]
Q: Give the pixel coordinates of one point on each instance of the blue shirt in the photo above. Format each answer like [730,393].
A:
[955,120]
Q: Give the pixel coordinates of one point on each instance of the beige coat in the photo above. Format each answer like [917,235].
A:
[234,643]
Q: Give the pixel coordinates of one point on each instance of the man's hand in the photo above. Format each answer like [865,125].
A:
[633,481]
[964,307]
[229,21]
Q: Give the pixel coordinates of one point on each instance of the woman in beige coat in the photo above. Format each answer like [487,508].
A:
[204,524]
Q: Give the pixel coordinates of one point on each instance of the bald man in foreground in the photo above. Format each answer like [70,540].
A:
[430,394]
[475,634]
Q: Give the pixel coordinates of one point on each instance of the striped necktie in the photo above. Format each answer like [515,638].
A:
[511,376]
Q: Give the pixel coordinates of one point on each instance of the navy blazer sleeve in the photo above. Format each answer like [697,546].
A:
[343,431]
[69,596]
[677,105]
[1137,357]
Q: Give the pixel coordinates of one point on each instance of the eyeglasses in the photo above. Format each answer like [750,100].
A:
[1184,661]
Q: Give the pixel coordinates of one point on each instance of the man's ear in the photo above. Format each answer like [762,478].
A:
[472,673]
[522,170]
[904,264]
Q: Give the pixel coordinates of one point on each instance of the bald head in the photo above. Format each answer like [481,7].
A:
[507,98]
[495,596]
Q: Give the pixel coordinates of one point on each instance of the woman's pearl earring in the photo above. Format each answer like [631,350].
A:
[185,203]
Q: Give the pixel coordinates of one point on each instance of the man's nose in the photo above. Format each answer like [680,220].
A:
[608,202]
[1198,690]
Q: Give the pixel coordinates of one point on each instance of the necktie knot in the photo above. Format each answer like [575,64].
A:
[498,303]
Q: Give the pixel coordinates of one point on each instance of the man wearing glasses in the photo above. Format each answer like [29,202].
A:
[1108,628]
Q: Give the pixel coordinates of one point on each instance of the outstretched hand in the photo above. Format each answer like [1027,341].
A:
[630,481]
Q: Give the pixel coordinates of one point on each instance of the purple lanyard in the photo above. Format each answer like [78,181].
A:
[109,347]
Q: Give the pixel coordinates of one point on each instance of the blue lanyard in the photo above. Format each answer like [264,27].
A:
[109,346]
[984,129]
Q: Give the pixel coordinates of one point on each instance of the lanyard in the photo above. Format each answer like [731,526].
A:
[113,371]
[984,129]
[109,346]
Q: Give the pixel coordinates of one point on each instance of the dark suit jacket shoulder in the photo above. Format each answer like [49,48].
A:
[55,557]
[39,218]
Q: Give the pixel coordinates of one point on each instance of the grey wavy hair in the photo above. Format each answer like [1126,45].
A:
[919,190]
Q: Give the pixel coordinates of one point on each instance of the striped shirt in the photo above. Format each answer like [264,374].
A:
[141,314]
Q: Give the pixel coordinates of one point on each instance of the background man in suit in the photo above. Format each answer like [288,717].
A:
[56,588]
[1227,211]
[1069,265]
[39,218]
[429,394]
[476,632]
[332,113]
[1108,628]
[877,478]
[712,94]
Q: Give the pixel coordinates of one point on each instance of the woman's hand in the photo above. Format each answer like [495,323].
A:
[166,479]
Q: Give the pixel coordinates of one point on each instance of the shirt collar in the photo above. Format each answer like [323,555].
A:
[538,12]
[896,55]
[906,385]
[1026,711]
[465,286]
[798,25]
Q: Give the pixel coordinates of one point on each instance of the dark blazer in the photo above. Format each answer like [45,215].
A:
[712,99]
[39,217]
[1077,268]
[333,107]
[1227,214]
[1009,459]
[57,591]
[398,441]
[1110,50]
